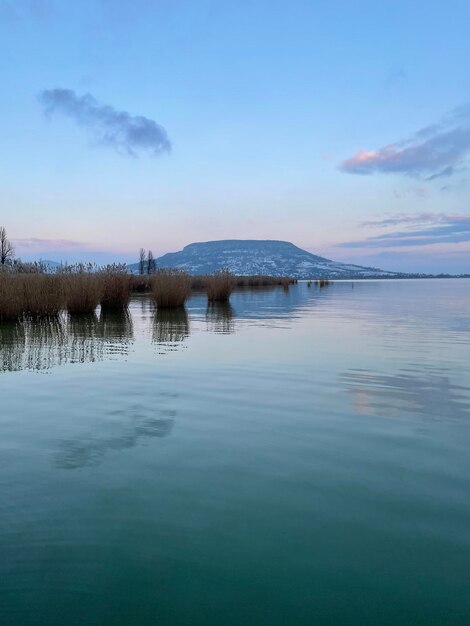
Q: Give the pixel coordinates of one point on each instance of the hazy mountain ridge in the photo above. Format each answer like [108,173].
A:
[268,257]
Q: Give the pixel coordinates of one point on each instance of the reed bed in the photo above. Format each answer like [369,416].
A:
[83,292]
[170,288]
[11,297]
[220,285]
[33,295]
[264,281]
[322,282]
[117,290]
[141,283]
[80,289]
[200,282]
[43,294]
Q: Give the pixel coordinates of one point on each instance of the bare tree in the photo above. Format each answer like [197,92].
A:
[142,261]
[150,263]
[7,249]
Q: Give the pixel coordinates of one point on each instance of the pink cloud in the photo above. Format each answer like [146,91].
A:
[433,152]
[35,243]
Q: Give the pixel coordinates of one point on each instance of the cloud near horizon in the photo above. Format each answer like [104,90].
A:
[37,246]
[429,229]
[67,250]
[436,151]
[126,133]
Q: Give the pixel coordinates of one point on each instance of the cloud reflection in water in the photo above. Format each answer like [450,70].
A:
[135,422]
[426,392]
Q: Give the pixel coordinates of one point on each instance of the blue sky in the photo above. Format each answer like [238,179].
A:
[343,127]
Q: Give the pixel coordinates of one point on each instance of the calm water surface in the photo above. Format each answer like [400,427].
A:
[298,457]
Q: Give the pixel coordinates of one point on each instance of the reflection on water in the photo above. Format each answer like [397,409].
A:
[312,468]
[426,392]
[33,344]
[170,328]
[219,318]
[116,327]
[132,423]
[40,344]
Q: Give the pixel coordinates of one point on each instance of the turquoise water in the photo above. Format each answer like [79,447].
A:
[298,457]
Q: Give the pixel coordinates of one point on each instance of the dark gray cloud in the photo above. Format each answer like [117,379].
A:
[436,151]
[130,134]
[429,228]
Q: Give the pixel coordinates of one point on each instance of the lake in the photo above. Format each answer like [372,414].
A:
[299,456]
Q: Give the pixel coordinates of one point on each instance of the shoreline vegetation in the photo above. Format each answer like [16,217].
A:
[34,291]
[80,289]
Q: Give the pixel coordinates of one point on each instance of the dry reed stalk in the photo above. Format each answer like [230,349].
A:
[263,281]
[322,282]
[141,283]
[220,285]
[170,288]
[43,294]
[83,292]
[11,297]
[117,291]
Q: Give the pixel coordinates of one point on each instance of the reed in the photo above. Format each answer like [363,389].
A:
[322,282]
[11,297]
[220,285]
[117,289]
[81,288]
[201,282]
[34,295]
[170,288]
[43,294]
[141,283]
[264,281]
[83,292]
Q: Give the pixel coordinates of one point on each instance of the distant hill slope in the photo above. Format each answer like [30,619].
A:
[250,257]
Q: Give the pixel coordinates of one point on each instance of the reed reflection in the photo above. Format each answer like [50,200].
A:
[12,344]
[33,344]
[219,318]
[83,333]
[170,327]
[40,344]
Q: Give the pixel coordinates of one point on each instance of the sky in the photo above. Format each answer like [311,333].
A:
[343,127]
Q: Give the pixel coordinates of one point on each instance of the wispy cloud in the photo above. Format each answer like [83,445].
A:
[130,134]
[427,229]
[436,151]
[36,242]
[406,218]
[34,248]
[416,192]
